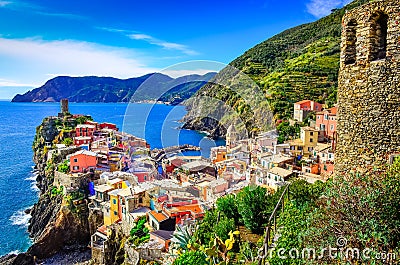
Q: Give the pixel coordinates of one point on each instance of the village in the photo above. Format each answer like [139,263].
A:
[157,192]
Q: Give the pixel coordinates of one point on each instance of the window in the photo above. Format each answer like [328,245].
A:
[326,117]
[311,140]
[351,43]
[115,213]
[332,127]
[300,148]
[310,149]
[140,200]
[379,24]
[75,160]
[318,117]
[311,133]
[76,167]
[114,201]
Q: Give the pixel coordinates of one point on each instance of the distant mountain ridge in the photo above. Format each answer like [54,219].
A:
[155,86]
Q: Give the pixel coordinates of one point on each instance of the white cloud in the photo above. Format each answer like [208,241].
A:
[321,8]
[163,44]
[12,83]
[134,35]
[4,3]
[33,60]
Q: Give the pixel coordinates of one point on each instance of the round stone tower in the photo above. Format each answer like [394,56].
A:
[369,92]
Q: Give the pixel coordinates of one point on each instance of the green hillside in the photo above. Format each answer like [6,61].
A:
[299,63]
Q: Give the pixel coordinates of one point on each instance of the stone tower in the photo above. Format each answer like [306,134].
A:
[369,90]
[64,106]
[231,138]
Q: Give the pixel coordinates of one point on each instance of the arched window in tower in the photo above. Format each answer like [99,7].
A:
[351,43]
[379,36]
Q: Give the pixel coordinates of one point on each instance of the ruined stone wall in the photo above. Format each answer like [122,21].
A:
[369,92]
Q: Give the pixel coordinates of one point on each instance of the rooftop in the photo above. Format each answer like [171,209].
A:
[84,152]
[308,128]
[196,165]
[280,172]
[89,126]
[163,234]
[159,216]
[102,188]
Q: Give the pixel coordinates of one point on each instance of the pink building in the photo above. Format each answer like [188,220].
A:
[303,108]
[326,122]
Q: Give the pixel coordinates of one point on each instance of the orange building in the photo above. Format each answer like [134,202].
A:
[326,122]
[82,161]
[218,154]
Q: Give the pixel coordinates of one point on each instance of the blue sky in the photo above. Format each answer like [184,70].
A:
[45,38]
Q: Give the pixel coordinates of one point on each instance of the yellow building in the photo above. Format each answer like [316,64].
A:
[114,207]
[305,145]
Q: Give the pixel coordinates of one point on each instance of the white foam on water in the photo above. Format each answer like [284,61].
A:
[15,252]
[20,218]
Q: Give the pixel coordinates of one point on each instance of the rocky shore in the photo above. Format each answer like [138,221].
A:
[58,233]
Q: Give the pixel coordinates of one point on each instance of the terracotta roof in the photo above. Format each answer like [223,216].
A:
[102,229]
[194,208]
[333,110]
[303,101]
[159,216]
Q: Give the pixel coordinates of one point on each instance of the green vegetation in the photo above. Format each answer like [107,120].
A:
[299,63]
[287,131]
[191,257]
[56,191]
[64,167]
[361,209]
[139,233]
[68,141]
[218,240]
[83,119]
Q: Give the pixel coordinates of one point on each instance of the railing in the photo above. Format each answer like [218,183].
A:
[271,224]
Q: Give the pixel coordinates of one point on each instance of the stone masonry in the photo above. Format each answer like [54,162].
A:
[369,91]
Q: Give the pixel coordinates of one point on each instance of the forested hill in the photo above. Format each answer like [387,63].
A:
[154,86]
[299,63]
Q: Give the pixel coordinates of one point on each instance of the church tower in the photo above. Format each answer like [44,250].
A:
[231,138]
[369,91]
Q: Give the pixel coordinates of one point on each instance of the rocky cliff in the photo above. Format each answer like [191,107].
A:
[56,224]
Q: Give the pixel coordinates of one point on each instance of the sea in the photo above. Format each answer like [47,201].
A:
[159,124]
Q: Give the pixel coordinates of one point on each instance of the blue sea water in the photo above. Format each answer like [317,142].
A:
[158,124]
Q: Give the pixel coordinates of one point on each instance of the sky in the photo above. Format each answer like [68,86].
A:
[126,38]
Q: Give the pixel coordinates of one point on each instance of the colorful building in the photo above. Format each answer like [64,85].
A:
[85,130]
[302,108]
[326,122]
[304,146]
[83,161]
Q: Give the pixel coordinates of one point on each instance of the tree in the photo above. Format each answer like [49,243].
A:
[83,119]
[228,206]
[63,167]
[191,258]
[255,206]
[68,141]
